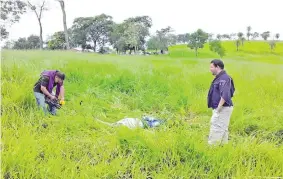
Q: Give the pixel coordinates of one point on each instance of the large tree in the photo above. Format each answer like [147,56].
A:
[10,13]
[62,5]
[117,38]
[38,10]
[94,29]
[165,38]
[197,40]
[130,34]
[79,33]
[144,23]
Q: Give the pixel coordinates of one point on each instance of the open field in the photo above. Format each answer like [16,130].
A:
[172,87]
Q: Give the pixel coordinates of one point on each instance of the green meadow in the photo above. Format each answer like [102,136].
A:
[172,87]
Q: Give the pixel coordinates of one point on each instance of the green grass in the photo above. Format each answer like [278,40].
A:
[74,145]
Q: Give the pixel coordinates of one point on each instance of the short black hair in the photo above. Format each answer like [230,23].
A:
[60,75]
[218,63]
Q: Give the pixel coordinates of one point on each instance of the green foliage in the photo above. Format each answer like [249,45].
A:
[163,39]
[131,34]
[265,35]
[183,38]
[57,41]
[255,35]
[153,43]
[197,40]
[217,47]
[32,42]
[95,29]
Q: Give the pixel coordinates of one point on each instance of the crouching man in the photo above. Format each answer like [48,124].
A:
[44,86]
[220,100]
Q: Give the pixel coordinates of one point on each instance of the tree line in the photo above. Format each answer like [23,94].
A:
[98,32]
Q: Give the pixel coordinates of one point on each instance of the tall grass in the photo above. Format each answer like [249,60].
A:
[74,145]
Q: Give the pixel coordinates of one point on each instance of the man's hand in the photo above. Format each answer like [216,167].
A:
[53,97]
[220,105]
[218,109]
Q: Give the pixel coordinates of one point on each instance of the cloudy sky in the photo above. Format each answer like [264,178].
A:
[214,16]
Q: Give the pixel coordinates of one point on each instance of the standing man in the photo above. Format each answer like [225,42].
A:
[220,100]
[43,89]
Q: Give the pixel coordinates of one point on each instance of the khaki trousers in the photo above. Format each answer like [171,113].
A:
[219,126]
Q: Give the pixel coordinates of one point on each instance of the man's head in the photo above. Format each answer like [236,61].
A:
[216,66]
[59,77]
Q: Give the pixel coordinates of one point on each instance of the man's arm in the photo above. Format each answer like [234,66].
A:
[62,93]
[45,91]
[224,87]
[222,101]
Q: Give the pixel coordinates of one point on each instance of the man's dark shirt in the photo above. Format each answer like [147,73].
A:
[221,86]
[43,81]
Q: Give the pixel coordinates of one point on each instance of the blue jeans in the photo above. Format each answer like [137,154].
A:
[40,100]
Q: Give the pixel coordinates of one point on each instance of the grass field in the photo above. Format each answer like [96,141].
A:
[172,87]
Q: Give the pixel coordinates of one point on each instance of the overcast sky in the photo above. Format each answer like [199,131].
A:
[214,16]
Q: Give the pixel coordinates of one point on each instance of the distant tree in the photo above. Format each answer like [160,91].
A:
[219,36]
[265,35]
[241,37]
[165,38]
[117,39]
[79,33]
[197,40]
[226,36]
[216,46]
[272,45]
[249,32]
[57,41]
[92,29]
[8,44]
[38,9]
[131,35]
[20,44]
[33,42]
[145,23]
[10,14]
[238,43]
[255,35]
[182,38]
[62,4]
[277,36]
[153,43]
